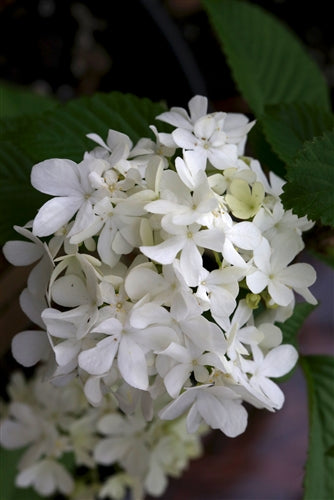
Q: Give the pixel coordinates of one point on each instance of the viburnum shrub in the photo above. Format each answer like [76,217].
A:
[166,265]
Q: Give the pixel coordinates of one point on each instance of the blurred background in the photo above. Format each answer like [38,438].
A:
[153,48]
[166,50]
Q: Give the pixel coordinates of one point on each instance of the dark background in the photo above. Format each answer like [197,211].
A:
[158,49]
[167,51]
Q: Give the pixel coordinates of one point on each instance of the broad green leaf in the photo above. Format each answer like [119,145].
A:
[310,178]
[319,477]
[12,128]
[16,101]
[8,471]
[19,201]
[261,150]
[288,126]
[291,327]
[268,62]
[60,133]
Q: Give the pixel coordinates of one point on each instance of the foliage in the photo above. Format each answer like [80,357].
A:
[319,479]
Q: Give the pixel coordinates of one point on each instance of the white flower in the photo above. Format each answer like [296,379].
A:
[70,329]
[74,195]
[124,443]
[209,141]
[186,240]
[116,486]
[168,288]
[130,399]
[204,333]
[47,477]
[130,342]
[146,150]
[179,205]
[28,424]
[23,427]
[83,438]
[190,169]
[180,118]
[218,137]
[278,222]
[275,186]
[96,386]
[79,284]
[186,359]
[116,150]
[237,334]
[244,235]
[218,291]
[276,363]
[273,271]
[218,406]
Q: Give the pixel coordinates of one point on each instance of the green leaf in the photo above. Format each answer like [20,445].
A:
[262,151]
[268,62]
[319,477]
[291,327]
[19,201]
[16,101]
[310,177]
[288,126]
[8,471]
[60,133]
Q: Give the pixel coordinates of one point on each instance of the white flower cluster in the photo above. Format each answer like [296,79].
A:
[59,429]
[162,271]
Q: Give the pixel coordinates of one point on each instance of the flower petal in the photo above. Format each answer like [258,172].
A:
[280,293]
[70,291]
[108,451]
[175,379]
[179,406]
[166,251]
[48,177]
[22,253]
[257,281]
[191,263]
[99,359]
[298,275]
[184,138]
[245,235]
[54,214]
[279,361]
[30,346]
[132,363]
[33,306]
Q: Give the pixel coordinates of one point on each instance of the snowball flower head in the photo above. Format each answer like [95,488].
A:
[161,271]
